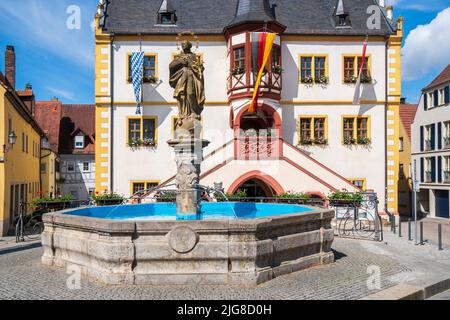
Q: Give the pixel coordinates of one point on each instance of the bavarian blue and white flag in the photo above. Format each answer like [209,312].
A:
[137,65]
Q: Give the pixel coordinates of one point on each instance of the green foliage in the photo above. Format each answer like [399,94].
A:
[107,196]
[294,195]
[346,196]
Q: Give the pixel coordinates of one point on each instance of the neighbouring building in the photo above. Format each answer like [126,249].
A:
[20,143]
[431,147]
[77,151]
[48,115]
[407,114]
[71,132]
[307,135]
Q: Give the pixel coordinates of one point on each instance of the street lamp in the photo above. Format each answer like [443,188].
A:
[12,138]
[12,141]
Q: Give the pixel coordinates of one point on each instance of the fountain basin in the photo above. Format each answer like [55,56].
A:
[119,245]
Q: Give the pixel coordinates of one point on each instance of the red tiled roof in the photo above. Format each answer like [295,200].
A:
[407,115]
[440,79]
[48,115]
[77,117]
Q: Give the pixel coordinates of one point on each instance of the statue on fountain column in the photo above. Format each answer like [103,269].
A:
[186,77]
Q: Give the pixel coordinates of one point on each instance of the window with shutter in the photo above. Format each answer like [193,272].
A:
[422,139]
[436,98]
[440,169]
[447,94]
[433,137]
[433,169]
[422,170]
[440,135]
[425,101]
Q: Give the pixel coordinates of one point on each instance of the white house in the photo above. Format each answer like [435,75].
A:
[77,151]
[431,146]
[307,135]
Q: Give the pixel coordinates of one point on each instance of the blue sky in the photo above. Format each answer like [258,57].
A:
[59,61]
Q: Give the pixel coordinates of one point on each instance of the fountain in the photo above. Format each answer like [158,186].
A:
[192,242]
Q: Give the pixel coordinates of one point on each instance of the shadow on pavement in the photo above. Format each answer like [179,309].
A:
[338,255]
[20,248]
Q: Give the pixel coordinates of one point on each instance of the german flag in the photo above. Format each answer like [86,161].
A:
[262,43]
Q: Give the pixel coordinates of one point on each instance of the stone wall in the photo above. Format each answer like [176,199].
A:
[236,252]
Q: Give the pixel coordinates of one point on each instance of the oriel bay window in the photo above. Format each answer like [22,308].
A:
[356,130]
[142,131]
[149,69]
[313,130]
[314,68]
[352,65]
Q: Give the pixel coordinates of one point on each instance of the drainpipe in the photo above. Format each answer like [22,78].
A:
[111,127]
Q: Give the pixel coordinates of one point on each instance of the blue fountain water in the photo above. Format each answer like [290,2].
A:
[209,211]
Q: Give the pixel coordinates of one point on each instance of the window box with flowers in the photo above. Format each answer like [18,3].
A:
[349,141]
[307,80]
[321,80]
[363,141]
[345,198]
[277,69]
[238,70]
[150,79]
[108,199]
[51,204]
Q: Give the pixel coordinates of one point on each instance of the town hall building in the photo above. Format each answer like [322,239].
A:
[307,134]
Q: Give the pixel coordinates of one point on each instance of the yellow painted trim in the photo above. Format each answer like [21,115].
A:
[315,38]
[150,54]
[142,118]
[313,64]
[145,182]
[356,71]
[164,103]
[355,126]
[312,118]
[353,180]
[315,102]
[170,38]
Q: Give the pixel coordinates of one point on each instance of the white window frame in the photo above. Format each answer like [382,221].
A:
[441,97]
[430,100]
[88,165]
[446,169]
[446,135]
[428,170]
[79,142]
[428,137]
[69,163]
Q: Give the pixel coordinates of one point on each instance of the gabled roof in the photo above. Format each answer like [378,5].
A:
[252,11]
[407,115]
[442,78]
[76,118]
[305,17]
[48,115]
[19,104]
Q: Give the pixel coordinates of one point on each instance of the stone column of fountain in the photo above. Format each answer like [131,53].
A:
[186,77]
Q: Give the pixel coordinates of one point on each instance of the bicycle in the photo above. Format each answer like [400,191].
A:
[30,227]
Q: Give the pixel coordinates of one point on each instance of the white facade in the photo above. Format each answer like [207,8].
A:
[78,176]
[367,163]
[431,150]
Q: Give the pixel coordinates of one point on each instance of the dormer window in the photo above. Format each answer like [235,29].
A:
[166,14]
[167,18]
[342,18]
[79,142]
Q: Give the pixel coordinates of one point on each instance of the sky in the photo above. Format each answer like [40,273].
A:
[55,53]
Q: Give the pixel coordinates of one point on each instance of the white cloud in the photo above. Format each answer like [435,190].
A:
[43,24]
[419,5]
[61,93]
[427,47]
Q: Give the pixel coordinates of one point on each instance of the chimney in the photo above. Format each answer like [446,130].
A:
[10,66]
[390,12]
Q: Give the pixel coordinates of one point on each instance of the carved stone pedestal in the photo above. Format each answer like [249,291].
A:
[188,156]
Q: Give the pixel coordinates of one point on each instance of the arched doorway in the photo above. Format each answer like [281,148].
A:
[257,184]
[255,188]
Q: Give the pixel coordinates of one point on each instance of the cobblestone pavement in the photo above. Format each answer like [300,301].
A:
[23,277]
